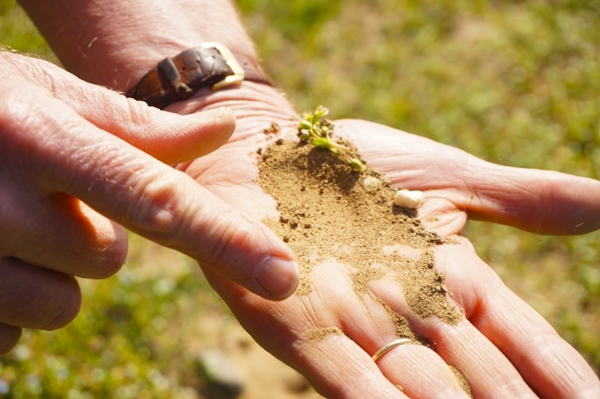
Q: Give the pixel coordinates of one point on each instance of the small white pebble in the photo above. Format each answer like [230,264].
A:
[371,184]
[408,199]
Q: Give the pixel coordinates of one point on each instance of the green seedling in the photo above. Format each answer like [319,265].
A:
[317,130]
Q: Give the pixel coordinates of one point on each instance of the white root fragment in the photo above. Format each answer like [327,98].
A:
[408,198]
[371,184]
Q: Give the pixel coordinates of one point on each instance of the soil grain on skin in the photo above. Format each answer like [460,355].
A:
[325,213]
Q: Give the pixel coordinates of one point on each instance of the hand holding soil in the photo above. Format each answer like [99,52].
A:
[372,272]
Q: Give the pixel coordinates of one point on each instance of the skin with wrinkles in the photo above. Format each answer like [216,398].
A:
[113,43]
[70,173]
[498,326]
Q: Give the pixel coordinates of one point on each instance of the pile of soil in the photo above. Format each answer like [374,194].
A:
[325,213]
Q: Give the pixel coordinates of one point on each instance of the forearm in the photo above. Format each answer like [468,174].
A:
[114,43]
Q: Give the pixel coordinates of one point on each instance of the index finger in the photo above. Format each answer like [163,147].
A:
[152,199]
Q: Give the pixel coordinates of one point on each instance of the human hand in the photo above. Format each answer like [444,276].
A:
[500,345]
[487,346]
[70,167]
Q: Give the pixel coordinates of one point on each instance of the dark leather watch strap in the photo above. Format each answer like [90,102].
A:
[210,65]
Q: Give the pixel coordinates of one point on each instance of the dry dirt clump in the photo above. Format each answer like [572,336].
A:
[326,213]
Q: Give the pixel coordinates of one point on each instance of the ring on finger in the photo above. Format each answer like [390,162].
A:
[389,347]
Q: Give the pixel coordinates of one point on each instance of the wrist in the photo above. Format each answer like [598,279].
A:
[114,43]
[209,65]
[256,107]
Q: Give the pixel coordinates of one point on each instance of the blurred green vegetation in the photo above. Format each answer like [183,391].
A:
[19,33]
[513,82]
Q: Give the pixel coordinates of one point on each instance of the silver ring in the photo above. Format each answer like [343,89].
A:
[389,347]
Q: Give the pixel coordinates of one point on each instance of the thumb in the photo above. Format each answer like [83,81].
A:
[542,202]
[169,137]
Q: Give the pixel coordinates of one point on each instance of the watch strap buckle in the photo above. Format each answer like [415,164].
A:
[210,65]
[238,73]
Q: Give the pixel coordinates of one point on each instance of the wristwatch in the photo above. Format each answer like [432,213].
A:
[208,65]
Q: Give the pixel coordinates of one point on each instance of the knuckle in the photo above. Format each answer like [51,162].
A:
[44,77]
[226,233]
[19,105]
[139,113]
[170,214]
[156,209]
[41,73]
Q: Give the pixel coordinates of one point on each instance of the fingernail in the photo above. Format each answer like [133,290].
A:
[278,277]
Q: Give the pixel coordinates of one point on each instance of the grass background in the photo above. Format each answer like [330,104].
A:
[513,82]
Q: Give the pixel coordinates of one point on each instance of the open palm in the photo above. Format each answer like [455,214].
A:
[502,346]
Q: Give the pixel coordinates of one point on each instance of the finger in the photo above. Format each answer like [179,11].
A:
[60,233]
[486,368]
[169,137]
[417,369]
[488,372]
[33,297]
[9,336]
[334,365]
[542,202]
[550,366]
[538,201]
[414,369]
[421,373]
[160,203]
[547,362]
[459,345]
[338,368]
[69,154]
